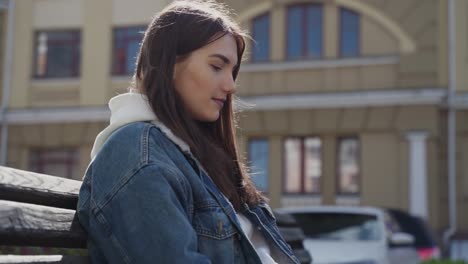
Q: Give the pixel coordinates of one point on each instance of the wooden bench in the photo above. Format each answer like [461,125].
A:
[39,210]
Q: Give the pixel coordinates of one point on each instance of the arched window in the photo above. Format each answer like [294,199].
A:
[349,33]
[261,36]
[304,31]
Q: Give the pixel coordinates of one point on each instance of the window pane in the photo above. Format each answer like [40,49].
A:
[349,170]
[258,154]
[136,32]
[391,224]
[126,46]
[119,34]
[339,226]
[60,36]
[132,51]
[57,54]
[261,35]
[295,32]
[60,59]
[292,164]
[313,164]
[349,33]
[314,31]
[56,162]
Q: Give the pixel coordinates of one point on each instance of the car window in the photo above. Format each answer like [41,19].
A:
[391,225]
[339,226]
[414,226]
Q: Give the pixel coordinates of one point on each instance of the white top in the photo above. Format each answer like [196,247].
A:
[257,240]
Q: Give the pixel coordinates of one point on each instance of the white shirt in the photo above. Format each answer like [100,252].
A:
[257,240]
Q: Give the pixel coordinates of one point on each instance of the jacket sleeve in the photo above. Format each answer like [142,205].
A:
[146,220]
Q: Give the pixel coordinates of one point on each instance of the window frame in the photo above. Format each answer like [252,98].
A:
[304,37]
[73,155]
[339,35]
[76,58]
[268,161]
[258,17]
[302,166]
[119,70]
[338,191]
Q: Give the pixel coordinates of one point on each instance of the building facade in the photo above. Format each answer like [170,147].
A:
[349,96]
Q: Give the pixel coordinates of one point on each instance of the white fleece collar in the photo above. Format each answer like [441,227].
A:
[127,108]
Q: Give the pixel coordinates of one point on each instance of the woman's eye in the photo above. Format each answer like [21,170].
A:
[216,68]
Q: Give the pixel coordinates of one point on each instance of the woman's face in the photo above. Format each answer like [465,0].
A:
[204,79]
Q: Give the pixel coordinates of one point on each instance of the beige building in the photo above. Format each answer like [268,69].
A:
[351,96]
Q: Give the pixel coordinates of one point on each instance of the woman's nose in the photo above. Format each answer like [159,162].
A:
[229,85]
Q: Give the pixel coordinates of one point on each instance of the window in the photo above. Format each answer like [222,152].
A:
[304,31]
[348,166]
[57,54]
[339,226]
[258,157]
[261,36]
[56,162]
[126,46]
[349,33]
[302,165]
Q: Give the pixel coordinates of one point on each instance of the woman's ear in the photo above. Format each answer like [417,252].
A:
[179,66]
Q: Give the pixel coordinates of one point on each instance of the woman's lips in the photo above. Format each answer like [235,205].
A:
[219,102]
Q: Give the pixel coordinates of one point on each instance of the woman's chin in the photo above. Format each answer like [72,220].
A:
[209,118]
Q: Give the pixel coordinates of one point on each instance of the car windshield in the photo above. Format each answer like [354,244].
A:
[339,226]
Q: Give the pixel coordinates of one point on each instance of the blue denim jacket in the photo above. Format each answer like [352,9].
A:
[146,200]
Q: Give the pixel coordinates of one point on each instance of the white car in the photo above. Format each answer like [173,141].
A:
[357,235]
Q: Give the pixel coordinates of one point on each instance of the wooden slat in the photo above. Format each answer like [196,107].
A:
[35,188]
[36,225]
[44,259]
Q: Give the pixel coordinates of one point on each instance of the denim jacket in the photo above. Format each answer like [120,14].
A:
[146,199]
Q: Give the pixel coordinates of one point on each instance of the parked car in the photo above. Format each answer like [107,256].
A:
[364,235]
[424,240]
[293,235]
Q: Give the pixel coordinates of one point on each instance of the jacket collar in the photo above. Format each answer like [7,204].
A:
[132,107]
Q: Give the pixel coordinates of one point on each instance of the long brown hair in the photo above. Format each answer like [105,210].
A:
[178,30]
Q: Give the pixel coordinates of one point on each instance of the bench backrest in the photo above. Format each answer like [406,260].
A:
[39,210]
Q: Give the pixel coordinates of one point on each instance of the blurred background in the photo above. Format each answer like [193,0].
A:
[356,102]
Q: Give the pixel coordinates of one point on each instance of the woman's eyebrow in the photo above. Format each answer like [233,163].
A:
[221,57]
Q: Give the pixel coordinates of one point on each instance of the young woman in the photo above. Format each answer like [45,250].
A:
[166,183]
